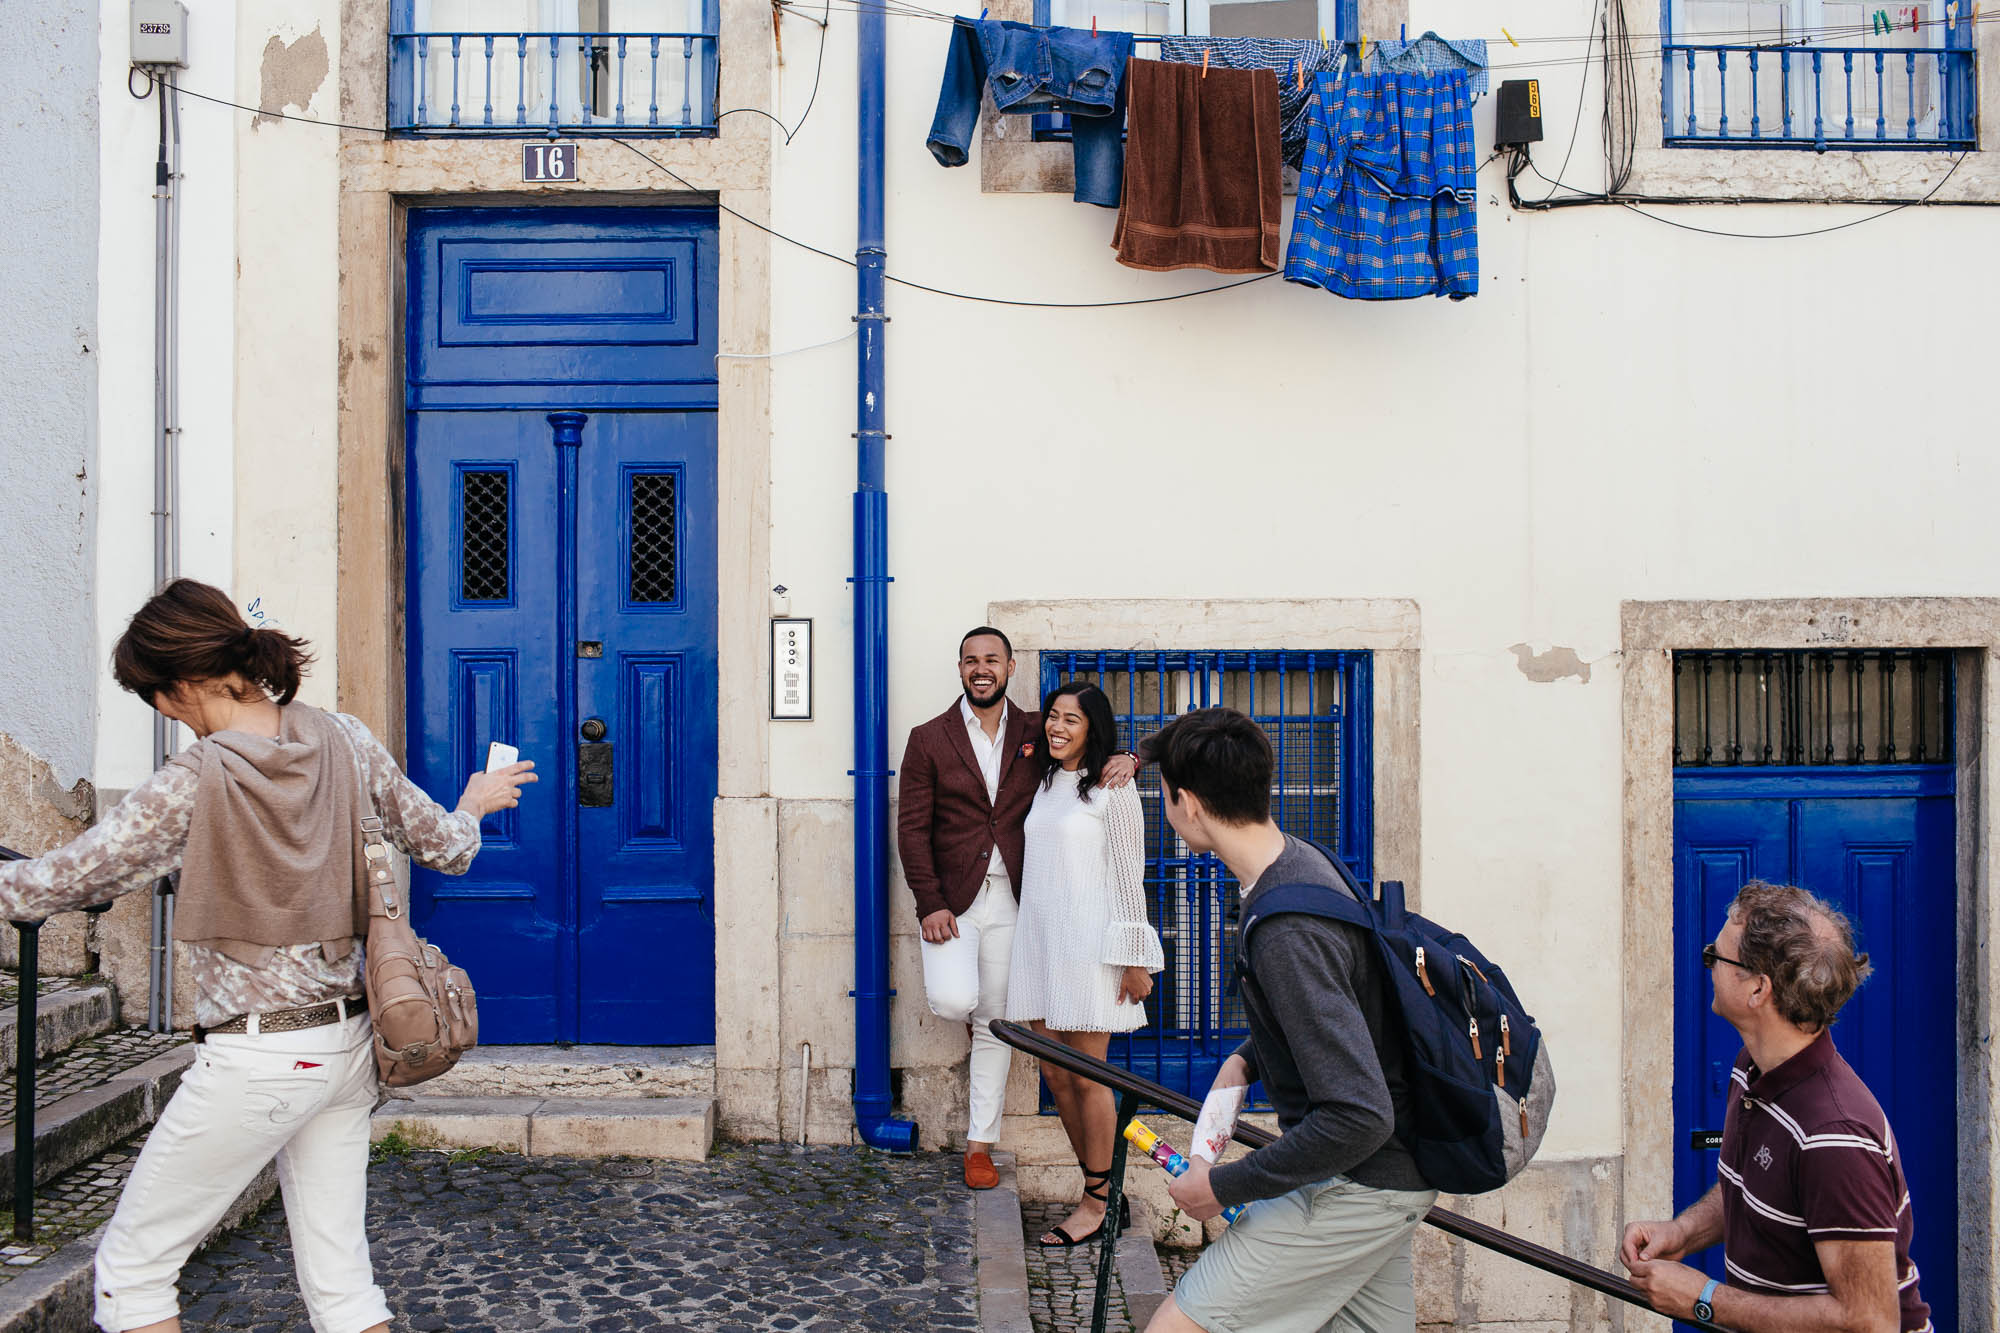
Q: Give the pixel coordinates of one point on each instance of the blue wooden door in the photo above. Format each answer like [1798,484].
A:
[561,553]
[1879,845]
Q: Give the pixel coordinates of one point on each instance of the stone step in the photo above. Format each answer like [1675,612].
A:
[576,1071]
[65,1014]
[676,1128]
[97,1094]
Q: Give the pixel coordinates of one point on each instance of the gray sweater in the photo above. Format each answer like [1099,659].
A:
[1314,1004]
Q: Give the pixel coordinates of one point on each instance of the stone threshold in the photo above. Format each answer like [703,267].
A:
[674,1128]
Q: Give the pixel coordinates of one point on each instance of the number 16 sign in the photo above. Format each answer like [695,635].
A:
[548,161]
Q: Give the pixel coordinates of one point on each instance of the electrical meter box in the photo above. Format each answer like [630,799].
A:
[159,33]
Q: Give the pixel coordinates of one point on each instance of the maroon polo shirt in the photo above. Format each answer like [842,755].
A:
[1807,1155]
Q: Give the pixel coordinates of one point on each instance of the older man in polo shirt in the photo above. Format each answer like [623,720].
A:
[1811,1208]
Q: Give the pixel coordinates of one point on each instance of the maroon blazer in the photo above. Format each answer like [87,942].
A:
[945,826]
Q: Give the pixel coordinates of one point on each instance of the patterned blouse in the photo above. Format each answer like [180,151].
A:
[142,839]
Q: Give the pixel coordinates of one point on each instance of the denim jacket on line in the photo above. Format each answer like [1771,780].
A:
[1028,70]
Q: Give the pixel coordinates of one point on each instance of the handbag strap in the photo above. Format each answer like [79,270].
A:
[382,897]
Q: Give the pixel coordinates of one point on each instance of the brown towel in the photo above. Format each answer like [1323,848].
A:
[1202,169]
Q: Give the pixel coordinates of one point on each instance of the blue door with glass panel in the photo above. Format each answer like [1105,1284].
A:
[1315,707]
[561,496]
[1863,816]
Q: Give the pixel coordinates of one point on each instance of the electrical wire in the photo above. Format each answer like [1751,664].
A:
[819,68]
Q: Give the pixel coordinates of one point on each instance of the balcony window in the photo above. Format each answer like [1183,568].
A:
[517,67]
[1817,74]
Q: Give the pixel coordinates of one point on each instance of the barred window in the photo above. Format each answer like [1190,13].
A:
[1775,709]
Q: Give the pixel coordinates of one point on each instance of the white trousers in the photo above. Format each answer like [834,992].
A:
[302,1097]
[966,981]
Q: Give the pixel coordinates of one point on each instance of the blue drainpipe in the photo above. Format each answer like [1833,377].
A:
[873,1100]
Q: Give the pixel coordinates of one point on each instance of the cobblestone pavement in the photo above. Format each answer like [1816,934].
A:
[87,1064]
[1062,1283]
[759,1237]
[67,1207]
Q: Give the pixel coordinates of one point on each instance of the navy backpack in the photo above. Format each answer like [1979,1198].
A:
[1477,1069]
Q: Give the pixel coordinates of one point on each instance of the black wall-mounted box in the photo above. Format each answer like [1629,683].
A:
[1518,117]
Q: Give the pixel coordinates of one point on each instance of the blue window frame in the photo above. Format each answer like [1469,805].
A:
[1316,708]
[1817,74]
[575,75]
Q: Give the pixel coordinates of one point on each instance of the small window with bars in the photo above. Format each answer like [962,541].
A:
[1812,708]
[652,563]
[1315,708]
[485,535]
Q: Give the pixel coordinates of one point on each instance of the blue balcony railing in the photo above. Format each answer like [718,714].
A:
[569,83]
[1818,97]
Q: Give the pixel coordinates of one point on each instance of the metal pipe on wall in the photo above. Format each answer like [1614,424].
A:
[166,482]
[874,1097]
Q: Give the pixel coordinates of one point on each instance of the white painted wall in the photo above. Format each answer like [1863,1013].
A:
[48,384]
[125,268]
[1628,410]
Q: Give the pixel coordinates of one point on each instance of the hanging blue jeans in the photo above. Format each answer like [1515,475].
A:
[1030,70]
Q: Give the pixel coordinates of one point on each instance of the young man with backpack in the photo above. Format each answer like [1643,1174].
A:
[1329,1243]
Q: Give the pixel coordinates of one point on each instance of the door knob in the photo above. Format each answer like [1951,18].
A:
[593,729]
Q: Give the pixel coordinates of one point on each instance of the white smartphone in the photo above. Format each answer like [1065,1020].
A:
[499,755]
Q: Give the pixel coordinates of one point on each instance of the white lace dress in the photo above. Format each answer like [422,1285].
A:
[1083,910]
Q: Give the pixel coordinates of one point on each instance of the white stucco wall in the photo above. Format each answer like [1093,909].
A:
[1628,410]
[49,469]
[125,268]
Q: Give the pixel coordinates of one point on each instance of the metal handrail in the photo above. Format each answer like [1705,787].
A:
[25,1003]
[1134,1091]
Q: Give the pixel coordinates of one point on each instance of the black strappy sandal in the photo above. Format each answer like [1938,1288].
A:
[1096,1184]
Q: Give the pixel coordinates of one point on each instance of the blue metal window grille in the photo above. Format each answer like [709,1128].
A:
[1315,707]
[1902,77]
[1813,709]
[554,82]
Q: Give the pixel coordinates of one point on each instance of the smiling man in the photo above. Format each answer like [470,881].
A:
[1811,1208]
[967,782]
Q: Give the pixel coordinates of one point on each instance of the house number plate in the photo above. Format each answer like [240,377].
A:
[548,161]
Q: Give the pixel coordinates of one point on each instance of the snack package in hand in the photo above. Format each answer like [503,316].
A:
[1217,1123]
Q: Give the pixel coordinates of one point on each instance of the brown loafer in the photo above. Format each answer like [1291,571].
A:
[980,1173]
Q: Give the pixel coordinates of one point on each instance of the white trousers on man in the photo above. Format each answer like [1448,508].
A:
[302,1097]
[965,980]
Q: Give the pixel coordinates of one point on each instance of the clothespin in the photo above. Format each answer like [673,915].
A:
[1364,48]
[1913,18]
[1878,23]
[982,15]
[1403,33]
[1093,25]
[1509,36]
[1204,62]
[1301,83]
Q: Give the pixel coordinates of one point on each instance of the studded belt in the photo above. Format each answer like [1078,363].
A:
[289,1020]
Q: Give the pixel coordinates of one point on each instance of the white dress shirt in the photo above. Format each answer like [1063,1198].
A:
[988,753]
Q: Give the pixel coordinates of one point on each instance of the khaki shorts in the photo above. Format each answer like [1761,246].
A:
[1331,1256]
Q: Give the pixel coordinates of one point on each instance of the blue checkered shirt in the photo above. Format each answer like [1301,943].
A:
[1431,53]
[1285,55]
[1387,208]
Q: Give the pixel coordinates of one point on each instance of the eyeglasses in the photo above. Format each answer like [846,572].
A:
[1709,958]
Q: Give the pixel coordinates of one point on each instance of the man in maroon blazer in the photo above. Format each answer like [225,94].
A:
[968,778]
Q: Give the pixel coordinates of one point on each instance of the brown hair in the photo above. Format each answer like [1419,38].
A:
[190,632]
[1804,946]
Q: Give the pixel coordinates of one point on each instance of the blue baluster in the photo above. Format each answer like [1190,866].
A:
[1691,129]
[1910,68]
[621,80]
[454,78]
[521,79]
[1819,103]
[1785,90]
[653,106]
[1880,104]
[687,82]
[489,78]
[1755,131]
[423,81]
[1847,65]
[1722,92]
[1667,93]
[555,76]
[586,60]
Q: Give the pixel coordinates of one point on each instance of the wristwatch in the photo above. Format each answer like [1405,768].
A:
[1702,1309]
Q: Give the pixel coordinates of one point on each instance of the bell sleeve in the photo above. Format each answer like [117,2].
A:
[1129,938]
